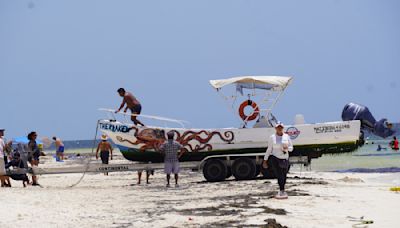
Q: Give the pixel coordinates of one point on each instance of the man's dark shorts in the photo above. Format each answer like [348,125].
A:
[137,109]
[104,155]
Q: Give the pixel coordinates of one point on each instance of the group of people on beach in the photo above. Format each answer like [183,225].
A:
[276,156]
[171,149]
[17,158]
[20,157]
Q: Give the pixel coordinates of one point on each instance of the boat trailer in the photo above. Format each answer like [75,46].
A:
[134,167]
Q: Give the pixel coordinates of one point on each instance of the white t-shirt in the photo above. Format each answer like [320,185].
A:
[275,146]
[2,147]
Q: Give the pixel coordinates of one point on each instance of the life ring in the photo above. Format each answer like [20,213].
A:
[256,110]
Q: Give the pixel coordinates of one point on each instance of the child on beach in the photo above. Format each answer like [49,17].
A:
[105,149]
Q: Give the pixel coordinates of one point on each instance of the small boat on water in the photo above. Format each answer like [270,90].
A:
[254,97]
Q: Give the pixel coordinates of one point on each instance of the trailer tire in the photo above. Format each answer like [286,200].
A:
[244,169]
[215,170]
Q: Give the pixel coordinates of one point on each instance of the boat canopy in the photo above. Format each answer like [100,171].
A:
[275,83]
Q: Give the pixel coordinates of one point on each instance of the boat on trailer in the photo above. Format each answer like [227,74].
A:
[254,97]
[221,153]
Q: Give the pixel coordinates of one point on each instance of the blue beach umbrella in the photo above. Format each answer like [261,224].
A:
[24,139]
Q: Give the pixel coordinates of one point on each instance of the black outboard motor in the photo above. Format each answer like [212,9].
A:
[380,128]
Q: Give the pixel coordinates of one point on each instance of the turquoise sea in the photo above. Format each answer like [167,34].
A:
[366,157]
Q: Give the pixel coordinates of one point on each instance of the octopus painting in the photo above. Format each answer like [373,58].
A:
[192,141]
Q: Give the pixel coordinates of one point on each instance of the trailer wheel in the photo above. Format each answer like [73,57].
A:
[244,169]
[215,170]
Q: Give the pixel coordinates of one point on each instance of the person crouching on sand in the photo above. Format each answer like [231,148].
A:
[170,150]
[105,149]
[16,162]
[277,156]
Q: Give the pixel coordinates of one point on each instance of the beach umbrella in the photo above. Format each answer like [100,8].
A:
[24,139]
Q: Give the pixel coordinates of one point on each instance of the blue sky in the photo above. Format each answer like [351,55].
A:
[62,60]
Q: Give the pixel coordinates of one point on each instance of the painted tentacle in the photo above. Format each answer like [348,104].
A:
[120,139]
[135,129]
[202,147]
[228,137]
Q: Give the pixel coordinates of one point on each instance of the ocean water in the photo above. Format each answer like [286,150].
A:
[365,159]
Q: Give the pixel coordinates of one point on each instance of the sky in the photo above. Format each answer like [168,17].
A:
[62,60]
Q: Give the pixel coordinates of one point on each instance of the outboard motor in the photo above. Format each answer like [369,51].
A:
[380,128]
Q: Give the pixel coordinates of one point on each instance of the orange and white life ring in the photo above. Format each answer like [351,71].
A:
[256,110]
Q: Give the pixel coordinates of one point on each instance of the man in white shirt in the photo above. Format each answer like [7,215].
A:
[5,180]
[277,156]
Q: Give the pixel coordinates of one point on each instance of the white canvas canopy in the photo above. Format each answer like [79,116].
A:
[276,83]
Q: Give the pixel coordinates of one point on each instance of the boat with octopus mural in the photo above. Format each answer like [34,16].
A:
[254,98]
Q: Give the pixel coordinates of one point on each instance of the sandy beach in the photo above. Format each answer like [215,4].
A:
[316,199]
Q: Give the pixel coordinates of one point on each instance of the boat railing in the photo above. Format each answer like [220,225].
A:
[126,117]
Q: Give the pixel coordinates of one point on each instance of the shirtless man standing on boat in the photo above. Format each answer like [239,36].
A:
[131,103]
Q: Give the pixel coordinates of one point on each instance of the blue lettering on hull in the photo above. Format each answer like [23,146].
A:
[114,128]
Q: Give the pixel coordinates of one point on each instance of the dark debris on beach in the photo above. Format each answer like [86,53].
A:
[270,223]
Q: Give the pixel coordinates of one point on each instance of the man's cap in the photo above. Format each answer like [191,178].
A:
[104,137]
[2,129]
[279,124]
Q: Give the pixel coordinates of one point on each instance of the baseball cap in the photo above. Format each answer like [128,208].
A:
[279,124]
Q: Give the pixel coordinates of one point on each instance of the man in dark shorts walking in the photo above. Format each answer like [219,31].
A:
[131,103]
[170,150]
[105,149]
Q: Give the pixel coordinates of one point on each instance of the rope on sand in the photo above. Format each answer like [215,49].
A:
[90,158]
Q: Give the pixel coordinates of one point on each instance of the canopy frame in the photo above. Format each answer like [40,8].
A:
[111,114]
[270,97]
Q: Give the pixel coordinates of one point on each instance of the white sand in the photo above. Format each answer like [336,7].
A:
[112,201]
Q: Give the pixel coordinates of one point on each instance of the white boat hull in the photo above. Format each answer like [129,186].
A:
[141,143]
